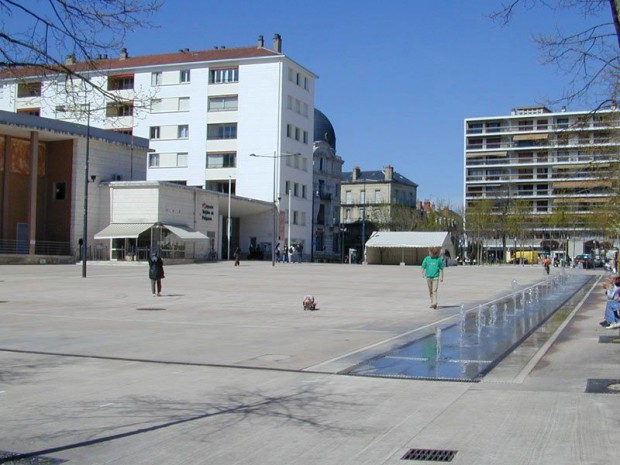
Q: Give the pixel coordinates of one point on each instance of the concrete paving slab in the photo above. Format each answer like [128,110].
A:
[226,368]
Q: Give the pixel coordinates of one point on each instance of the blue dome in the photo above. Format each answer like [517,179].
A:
[323,129]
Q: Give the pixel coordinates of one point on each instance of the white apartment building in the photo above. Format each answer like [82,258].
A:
[241,117]
[546,164]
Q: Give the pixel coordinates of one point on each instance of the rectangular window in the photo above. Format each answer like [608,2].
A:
[120,82]
[29,89]
[155,132]
[289,102]
[287,187]
[348,197]
[378,196]
[223,75]
[183,131]
[305,139]
[296,189]
[362,196]
[156,79]
[153,160]
[289,130]
[562,123]
[184,104]
[118,109]
[295,217]
[168,160]
[184,75]
[224,103]
[303,191]
[221,131]
[297,130]
[60,190]
[182,160]
[221,160]
[170,105]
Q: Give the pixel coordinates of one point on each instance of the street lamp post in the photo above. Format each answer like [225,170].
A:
[85,230]
[275,156]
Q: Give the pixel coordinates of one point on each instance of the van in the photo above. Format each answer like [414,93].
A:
[525,257]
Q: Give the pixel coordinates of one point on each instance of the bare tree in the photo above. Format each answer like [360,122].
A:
[37,35]
[590,57]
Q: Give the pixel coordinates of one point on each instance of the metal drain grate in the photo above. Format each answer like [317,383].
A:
[609,339]
[603,386]
[430,455]
[150,309]
[11,458]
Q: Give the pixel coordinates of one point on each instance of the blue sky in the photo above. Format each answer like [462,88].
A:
[396,78]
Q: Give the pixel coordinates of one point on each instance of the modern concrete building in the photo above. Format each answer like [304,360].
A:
[44,177]
[554,170]
[327,167]
[229,118]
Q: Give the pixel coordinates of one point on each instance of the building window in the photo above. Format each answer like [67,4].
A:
[295,217]
[30,111]
[182,159]
[221,131]
[120,82]
[296,190]
[221,160]
[223,103]
[562,123]
[184,75]
[118,109]
[168,160]
[60,190]
[303,191]
[155,132]
[348,196]
[183,131]
[305,139]
[378,196]
[223,75]
[29,89]
[287,187]
[153,160]
[184,104]
[156,79]
[362,196]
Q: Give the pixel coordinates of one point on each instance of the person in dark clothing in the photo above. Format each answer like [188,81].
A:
[156,273]
[237,256]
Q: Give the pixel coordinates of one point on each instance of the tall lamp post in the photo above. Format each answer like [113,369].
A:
[85,230]
[275,156]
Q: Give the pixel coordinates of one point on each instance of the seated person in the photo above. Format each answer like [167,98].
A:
[612,310]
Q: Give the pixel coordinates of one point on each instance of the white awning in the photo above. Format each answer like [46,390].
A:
[123,230]
[404,239]
[186,233]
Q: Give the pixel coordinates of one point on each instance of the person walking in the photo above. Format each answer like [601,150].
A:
[156,273]
[547,263]
[237,256]
[432,270]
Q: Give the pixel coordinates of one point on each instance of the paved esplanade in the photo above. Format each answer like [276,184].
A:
[226,368]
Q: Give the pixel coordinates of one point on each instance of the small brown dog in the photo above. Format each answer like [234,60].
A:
[309,303]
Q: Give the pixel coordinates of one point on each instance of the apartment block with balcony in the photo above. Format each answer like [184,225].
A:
[548,163]
[204,112]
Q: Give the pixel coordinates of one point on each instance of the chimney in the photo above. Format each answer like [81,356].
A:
[389,173]
[355,174]
[124,55]
[261,42]
[419,204]
[70,60]
[277,43]
[427,206]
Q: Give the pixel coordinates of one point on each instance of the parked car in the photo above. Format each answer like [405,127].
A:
[585,259]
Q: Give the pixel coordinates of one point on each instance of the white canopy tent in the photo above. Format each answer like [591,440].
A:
[405,247]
